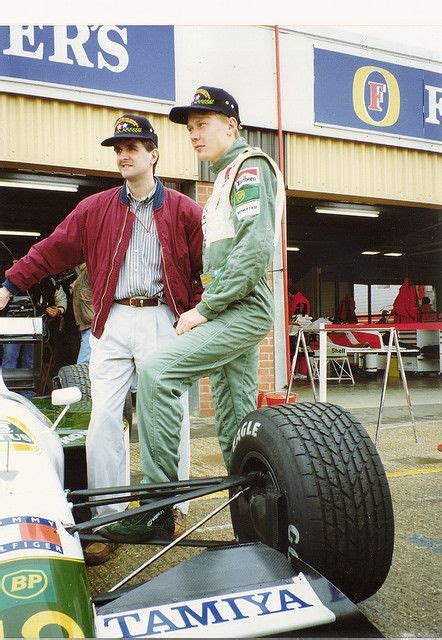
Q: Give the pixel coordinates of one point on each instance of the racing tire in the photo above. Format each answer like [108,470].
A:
[77,375]
[322,493]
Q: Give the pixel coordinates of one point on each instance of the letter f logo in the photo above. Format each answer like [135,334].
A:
[377,90]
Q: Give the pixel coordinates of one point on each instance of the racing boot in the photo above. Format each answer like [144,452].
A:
[98,552]
[180,522]
[141,527]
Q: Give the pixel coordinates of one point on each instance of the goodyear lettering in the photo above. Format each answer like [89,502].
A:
[24,584]
[249,428]
[204,613]
[384,96]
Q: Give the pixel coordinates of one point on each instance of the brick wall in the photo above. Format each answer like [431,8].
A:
[266,367]
[203,192]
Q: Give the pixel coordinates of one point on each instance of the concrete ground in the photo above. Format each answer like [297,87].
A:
[407,604]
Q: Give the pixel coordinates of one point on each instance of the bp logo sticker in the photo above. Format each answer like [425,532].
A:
[24,584]
[16,434]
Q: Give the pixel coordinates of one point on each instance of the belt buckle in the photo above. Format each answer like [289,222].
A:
[131,301]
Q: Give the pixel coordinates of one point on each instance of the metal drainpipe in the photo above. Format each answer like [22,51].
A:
[283,221]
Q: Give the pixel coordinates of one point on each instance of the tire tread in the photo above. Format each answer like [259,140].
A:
[349,534]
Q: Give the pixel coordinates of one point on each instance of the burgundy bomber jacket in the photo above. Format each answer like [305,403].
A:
[98,232]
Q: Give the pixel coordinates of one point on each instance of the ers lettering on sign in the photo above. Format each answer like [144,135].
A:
[68,45]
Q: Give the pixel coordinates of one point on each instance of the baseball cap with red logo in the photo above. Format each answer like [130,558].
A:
[207,99]
[130,126]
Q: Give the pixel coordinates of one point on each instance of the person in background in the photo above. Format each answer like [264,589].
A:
[21,355]
[347,310]
[16,353]
[142,245]
[51,302]
[384,317]
[47,300]
[426,311]
[67,341]
[220,335]
[83,311]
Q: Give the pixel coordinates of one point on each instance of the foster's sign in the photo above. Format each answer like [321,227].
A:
[366,94]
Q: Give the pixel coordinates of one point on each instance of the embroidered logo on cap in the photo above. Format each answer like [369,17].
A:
[202,97]
[127,125]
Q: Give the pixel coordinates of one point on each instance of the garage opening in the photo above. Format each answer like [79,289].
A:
[332,247]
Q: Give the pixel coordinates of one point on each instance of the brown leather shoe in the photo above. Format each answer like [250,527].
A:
[98,552]
[180,522]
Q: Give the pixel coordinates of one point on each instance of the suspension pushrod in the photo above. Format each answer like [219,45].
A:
[161,542]
[229,481]
[132,497]
[175,542]
[176,486]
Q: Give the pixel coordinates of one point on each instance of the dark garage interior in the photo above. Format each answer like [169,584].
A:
[333,243]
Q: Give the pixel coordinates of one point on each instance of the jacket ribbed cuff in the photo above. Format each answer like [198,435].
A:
[206,311]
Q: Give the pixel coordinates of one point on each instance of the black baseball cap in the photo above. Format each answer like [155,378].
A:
[130,126]
[207,99]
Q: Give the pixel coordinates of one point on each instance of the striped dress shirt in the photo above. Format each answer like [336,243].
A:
[140,273]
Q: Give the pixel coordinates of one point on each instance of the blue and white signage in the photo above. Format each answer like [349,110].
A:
[136,61]
[261,611]
[362,93]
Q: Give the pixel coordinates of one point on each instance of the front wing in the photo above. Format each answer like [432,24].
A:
[245,590]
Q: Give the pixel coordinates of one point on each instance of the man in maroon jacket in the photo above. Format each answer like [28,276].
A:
[142,246]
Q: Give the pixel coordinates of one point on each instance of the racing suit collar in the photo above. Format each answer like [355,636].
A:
[239,145]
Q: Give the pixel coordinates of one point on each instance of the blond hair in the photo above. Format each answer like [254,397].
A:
[223,116]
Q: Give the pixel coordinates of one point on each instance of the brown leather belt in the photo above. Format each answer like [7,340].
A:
[138,301]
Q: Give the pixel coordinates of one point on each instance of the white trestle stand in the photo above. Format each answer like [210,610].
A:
[393,346]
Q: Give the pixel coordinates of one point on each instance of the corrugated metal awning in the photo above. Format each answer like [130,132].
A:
[57,135]
[337,169]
